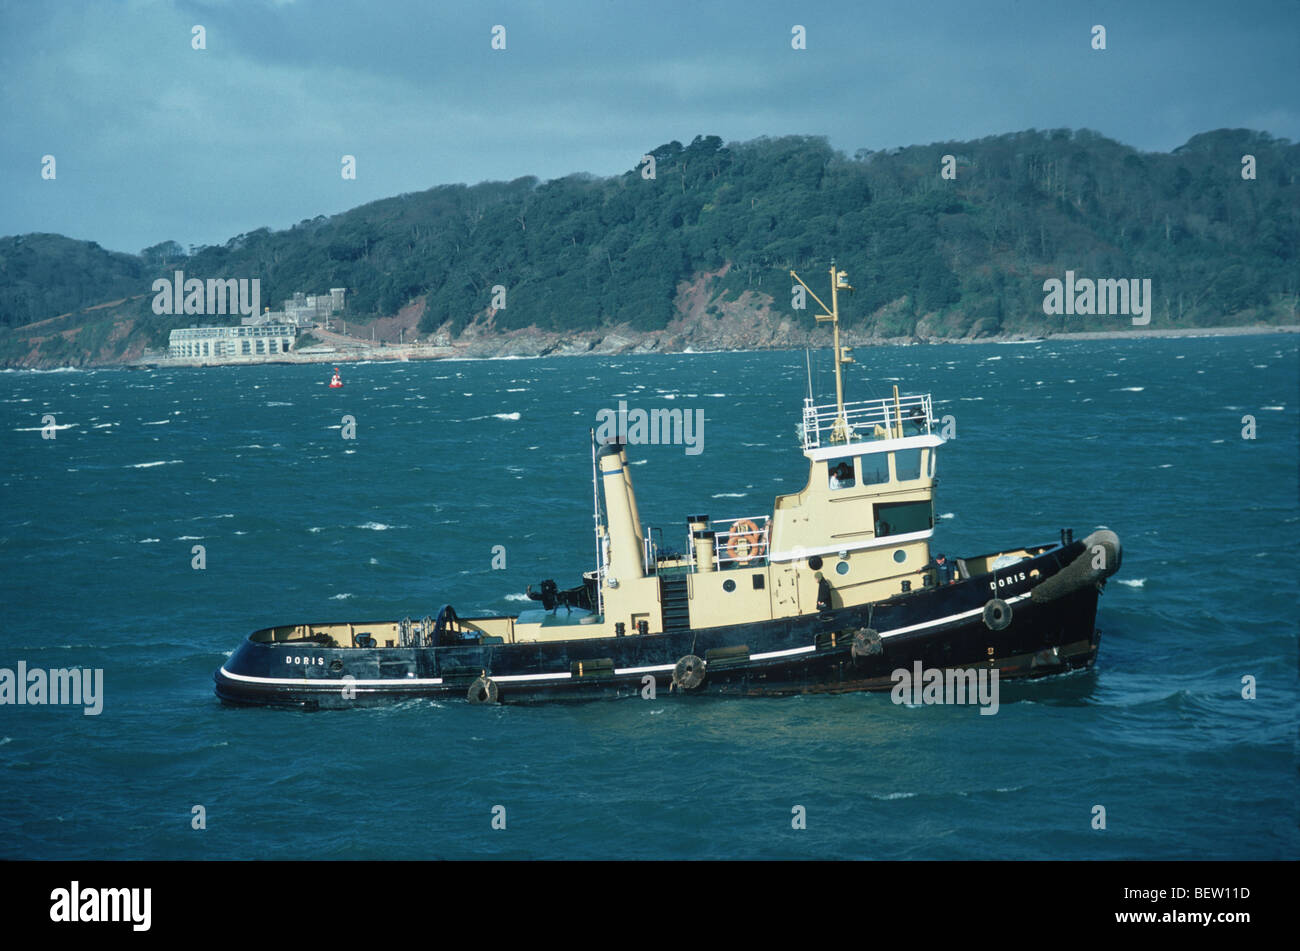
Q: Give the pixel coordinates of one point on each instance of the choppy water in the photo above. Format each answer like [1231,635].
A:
[452,458]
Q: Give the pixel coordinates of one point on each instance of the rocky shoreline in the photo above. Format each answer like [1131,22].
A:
[479,344]
[622,341]
[532,343]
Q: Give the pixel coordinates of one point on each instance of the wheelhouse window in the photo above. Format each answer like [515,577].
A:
[841,473]
[875,468]
[902,518]
[907,463]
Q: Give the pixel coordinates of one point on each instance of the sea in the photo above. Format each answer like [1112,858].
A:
[420,484]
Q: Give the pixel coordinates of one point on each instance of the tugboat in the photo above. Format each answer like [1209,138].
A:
[832,591]
[336,381]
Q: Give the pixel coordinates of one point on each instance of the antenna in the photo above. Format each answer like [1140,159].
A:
[839,282]
[807,356]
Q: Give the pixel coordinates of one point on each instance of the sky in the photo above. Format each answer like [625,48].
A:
[153,139]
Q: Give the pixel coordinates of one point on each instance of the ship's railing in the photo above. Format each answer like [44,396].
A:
[822,425]
[649,553]
[739,542]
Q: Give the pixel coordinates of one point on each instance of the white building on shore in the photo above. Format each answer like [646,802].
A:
[231,343]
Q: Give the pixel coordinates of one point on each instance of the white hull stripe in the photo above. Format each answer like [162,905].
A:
[946,620]
[645,670]
[789,653]
[526,678]
[507,678]
[333,684]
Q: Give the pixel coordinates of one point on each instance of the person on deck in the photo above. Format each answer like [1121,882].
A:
[942,570]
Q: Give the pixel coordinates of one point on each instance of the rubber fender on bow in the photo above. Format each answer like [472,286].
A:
[1100,558]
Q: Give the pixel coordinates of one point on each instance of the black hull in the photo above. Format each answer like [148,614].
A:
[811,653]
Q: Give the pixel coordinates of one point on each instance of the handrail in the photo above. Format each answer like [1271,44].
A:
[862,418]
[722,537]
[722,540]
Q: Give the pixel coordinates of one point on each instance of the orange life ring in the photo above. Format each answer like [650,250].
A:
[752,536]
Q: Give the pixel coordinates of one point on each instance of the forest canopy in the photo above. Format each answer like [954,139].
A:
[583,252]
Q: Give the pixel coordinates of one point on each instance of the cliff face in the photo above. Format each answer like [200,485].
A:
[706,318]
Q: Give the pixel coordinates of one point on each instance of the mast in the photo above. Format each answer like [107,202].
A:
[595,514]
[839,281]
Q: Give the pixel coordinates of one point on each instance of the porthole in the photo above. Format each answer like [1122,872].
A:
[729,585]
[842,568]
[900,556]
[815,562]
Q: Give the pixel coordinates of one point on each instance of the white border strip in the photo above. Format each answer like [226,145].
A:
[883,541]
[866,445]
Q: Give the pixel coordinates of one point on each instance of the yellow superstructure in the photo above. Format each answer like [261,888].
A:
[857,532]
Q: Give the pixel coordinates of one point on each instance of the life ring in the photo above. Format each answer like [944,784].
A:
[483,690]
[689,672]
[753,537]
[997,614]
